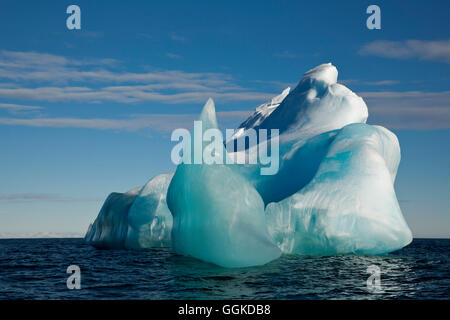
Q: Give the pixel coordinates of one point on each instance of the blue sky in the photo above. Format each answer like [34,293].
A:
[87,112]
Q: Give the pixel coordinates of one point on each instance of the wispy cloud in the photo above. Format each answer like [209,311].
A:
[382,83]
[91,34]
[421,49]
[440,97]
[369,83]
[173,55]
[414,110]
[178,37]
[46,77]
[37,60]
[145,36]
[44,197]
[285,54]
[162,123]
[19,109]
[126,94]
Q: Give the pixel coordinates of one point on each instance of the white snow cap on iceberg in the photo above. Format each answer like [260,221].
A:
[317,104]
[325,72]
[261,113]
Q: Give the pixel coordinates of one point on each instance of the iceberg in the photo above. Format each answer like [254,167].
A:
[333,192]
[149,218]
[318,104]
[136,219]
[349,206]
[261,113]
[306,119]
[110,228]
[218,215]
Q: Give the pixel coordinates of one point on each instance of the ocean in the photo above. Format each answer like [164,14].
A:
[36,269]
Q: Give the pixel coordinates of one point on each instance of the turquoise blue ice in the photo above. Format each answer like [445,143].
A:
[218,215]
[333,194]
[349,206]
[136,219]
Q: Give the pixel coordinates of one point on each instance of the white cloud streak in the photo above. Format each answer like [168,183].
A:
[173,55]
[163,123]
[44,197]
[40,77]
[126,94]
[178,38]
[413,110]
[17,107]
[47,77]
[369,83]
[424,50]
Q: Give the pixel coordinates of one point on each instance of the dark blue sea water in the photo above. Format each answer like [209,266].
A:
[36,269]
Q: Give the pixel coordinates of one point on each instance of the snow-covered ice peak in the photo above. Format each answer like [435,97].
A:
[325,72]
[261,113]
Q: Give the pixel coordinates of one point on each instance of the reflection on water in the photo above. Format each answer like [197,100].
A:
[35,269]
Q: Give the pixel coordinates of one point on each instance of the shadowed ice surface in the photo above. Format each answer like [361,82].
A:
[36,269]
